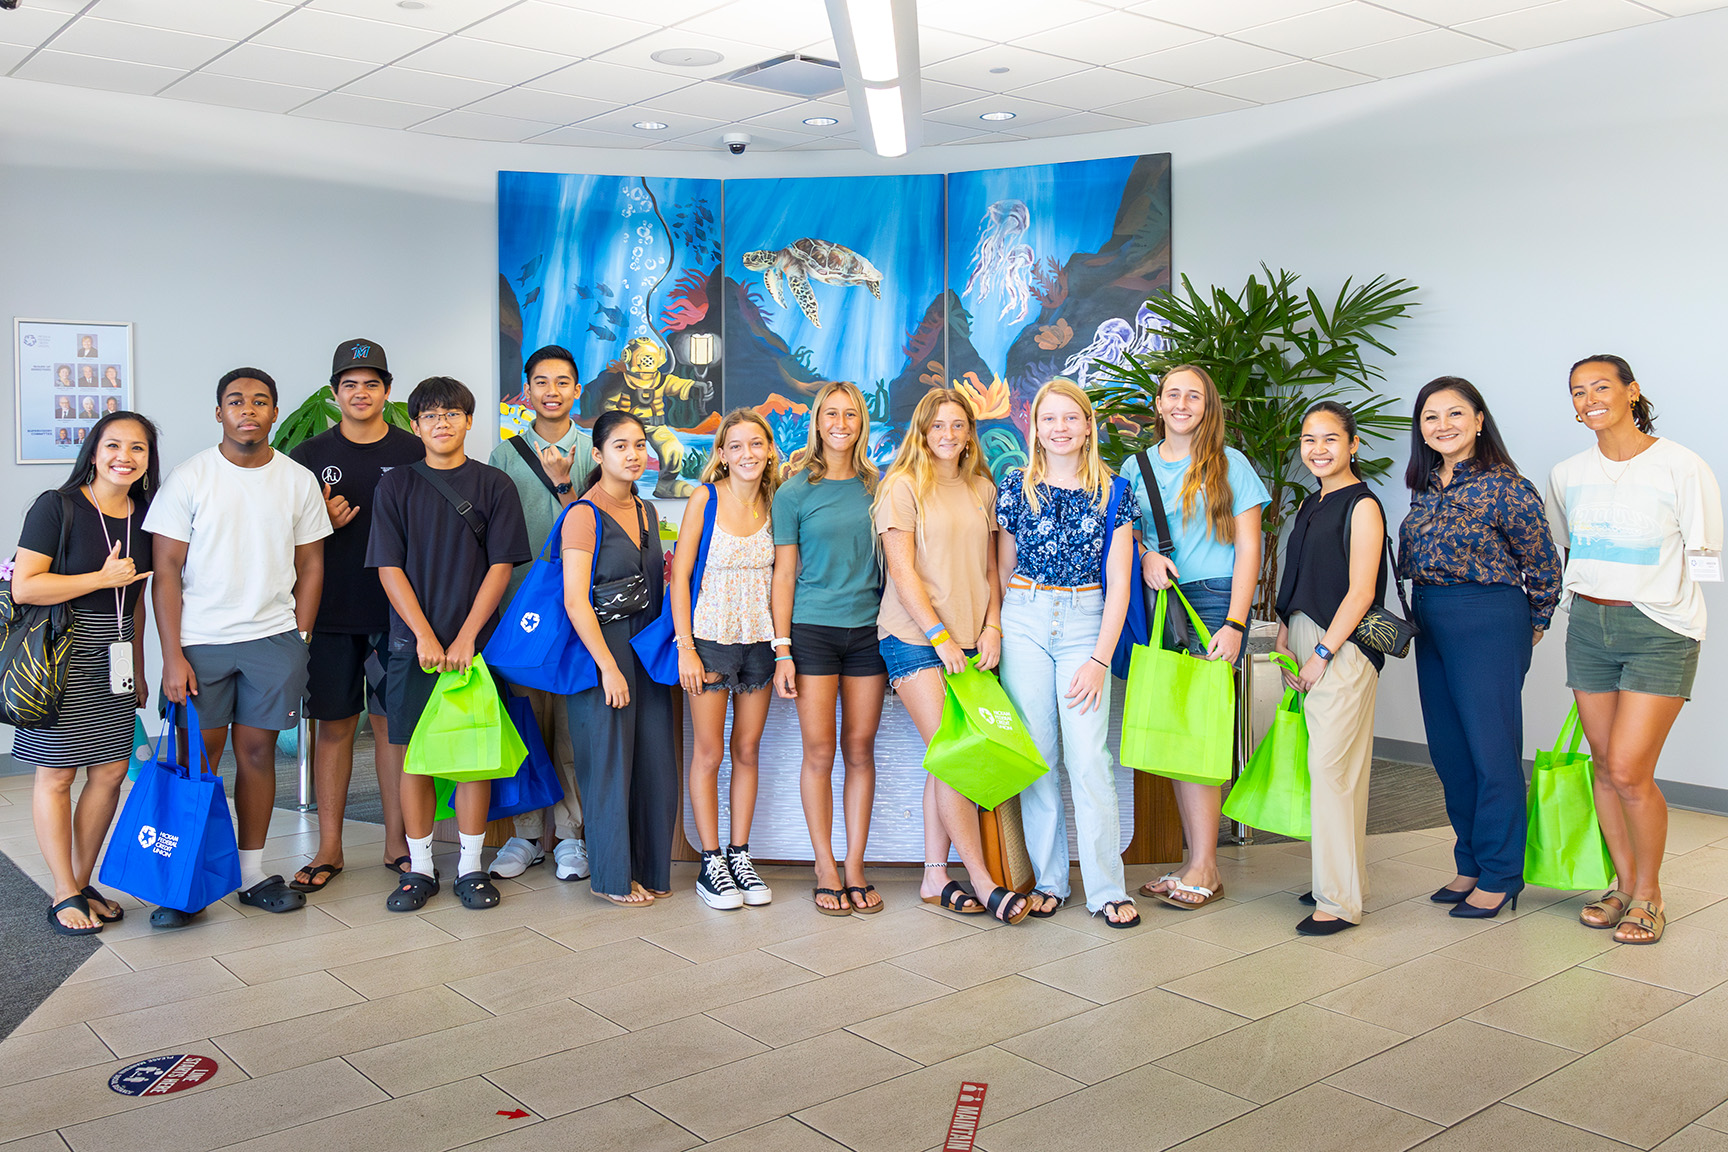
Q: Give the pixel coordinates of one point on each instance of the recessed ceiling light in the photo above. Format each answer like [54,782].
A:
[649,125]
[997,116]
[997,71]
[821,121]
[687,57]
[411,5]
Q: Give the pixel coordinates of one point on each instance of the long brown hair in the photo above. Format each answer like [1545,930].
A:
[811,457]
[1208,467]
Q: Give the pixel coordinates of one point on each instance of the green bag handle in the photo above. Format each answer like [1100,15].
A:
[1292,701]
[1157,633]
[1570,726]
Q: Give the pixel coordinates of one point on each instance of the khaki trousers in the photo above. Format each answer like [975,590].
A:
[554,721]
[1340,712]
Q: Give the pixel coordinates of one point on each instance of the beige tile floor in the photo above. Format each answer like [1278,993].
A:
[779,1030]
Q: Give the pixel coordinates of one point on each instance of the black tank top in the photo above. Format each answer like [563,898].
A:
[1316,574]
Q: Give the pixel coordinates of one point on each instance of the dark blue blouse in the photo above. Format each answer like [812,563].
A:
[1062,544]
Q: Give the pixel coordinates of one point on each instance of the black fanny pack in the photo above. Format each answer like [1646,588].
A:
[617,599]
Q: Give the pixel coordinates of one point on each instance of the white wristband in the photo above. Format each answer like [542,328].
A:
[779,641]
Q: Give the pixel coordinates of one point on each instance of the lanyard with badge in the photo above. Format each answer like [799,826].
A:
[1704,564]
[120,670]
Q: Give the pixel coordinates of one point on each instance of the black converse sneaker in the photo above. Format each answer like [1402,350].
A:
[744,873]
[715,884]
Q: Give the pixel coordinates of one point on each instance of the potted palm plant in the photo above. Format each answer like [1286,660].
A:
[1272,349]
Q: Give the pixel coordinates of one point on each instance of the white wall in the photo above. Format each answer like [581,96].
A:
[1550,204]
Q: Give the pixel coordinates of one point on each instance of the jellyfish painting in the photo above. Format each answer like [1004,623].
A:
[1148,333]
[1112,338]
[1000,262]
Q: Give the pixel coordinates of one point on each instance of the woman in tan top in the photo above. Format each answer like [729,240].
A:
[935,513]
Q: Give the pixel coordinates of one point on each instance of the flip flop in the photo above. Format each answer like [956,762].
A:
[1002,900]
[1207,895]
[91,892]
[312,883]
[1150,888]
[625,902]
[858,896]
[955,898]
[399,865]
[1111,906]
[1046,913]
[838,894]
[77,903]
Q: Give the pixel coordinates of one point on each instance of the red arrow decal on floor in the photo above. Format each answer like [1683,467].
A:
[516,1115]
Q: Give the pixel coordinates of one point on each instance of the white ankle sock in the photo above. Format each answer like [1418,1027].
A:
[251,867]
[420,855]
[471,846]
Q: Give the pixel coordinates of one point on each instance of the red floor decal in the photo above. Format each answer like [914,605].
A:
[963,1128]
[161,1075]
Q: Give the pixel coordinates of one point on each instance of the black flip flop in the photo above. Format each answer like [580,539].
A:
[91,892]
[273,895]
[78,904]
[1111,905]
[1002,899]
[400,865]
[955,898]
[840,909]
[1046,913]
[477,891]
[411,895]
[312,883]
[857,896]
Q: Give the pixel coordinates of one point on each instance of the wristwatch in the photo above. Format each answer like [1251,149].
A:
[563,489]
[1323,652]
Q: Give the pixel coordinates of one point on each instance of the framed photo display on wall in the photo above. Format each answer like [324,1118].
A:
[68,374]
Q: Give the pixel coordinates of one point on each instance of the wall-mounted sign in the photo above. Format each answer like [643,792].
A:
[68,375]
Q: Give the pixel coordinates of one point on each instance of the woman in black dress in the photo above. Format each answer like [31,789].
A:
[106,562]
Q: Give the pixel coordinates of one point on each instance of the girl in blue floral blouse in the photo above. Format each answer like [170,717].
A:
[1486,579]
[1059,629]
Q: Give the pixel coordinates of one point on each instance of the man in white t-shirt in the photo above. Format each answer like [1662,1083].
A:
[239,531]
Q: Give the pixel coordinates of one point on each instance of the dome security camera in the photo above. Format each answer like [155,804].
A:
[736,142]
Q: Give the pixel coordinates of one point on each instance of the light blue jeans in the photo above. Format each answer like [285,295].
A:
[1047,636]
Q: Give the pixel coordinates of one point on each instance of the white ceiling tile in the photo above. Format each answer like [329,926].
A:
[1079,124]
[11,55]
[350,37]
[934,46]
[665,12]
[1336,29]
[440,16]
[1562,20]
[66,7]
[1455,12]
[412,86]
[719,101]
[1434,49]
[734,54]
[347,109]
[1094,88]
[1025,112]
[483,60]
[95,72]
[30,26]
[237,92]
[233,19]
[599,81]
[785,24]
[478,126]
[792,120]
[113,40]
[933,94]
[1684,7]
[286,66]
[623,121]
[568,30]
[1287,82]
[831,144]
[1003,19]
[1182,104]
[1023,67]
[1225,16]
[587,138]
[685,146]
[1111,37]
[936,132]
[759,141]
[1205,61]
[546,107]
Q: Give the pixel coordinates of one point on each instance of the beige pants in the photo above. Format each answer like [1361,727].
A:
[1340,711]
[554,721]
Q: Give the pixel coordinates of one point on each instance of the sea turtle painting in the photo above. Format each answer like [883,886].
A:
[811,259]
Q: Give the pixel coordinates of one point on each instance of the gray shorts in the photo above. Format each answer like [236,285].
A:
[258,683]
[1616,648]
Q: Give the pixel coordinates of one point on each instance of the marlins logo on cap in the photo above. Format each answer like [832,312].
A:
[359,353]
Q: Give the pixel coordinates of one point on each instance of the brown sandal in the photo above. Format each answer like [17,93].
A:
[1643,915]
[1610,915]
[625,901]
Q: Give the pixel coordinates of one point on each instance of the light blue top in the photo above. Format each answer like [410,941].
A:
[1199,554]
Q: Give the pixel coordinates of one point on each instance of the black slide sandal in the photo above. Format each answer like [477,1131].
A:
[399,865]
[477,891]
[955,898]
[1002,900]
[411,895]
[91,892]
[77,903]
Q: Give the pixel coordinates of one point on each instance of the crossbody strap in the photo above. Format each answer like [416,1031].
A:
[532,459]
[66,513]
[1161,522]
[464,508]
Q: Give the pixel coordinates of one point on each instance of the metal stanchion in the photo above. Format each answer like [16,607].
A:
[303,754]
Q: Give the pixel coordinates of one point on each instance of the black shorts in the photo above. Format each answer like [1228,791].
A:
[742,667]
[407,688]
[347,675]
[821,650]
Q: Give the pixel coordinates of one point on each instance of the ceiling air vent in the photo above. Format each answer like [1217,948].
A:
[792,75]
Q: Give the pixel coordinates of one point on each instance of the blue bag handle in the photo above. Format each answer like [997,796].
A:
[594,565]
[195,750]
[1134,625]
[701,567]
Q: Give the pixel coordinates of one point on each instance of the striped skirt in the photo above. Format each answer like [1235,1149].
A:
[95,725]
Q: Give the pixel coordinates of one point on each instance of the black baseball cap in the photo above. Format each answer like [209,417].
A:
[359,353]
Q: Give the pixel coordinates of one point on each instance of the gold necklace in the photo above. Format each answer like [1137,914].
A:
[755,505]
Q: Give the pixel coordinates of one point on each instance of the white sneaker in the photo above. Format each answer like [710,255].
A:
[571,860]
[516,857]
[744,875]
[715,884]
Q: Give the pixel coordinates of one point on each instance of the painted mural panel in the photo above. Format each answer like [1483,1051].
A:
[1049,267]
[828,279]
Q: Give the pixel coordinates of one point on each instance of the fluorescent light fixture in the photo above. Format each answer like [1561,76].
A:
[877,44]
[887,120]
[873,35]
[820,121]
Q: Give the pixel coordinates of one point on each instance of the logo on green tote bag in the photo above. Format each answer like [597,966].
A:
[1001,719]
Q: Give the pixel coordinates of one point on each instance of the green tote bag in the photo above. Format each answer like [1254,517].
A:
[982,749]
[1273,793]
[464,733]
[1179,711]
[1563,847]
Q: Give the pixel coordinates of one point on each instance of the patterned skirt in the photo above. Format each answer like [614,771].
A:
[95,725]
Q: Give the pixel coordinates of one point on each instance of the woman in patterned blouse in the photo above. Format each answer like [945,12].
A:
[1486,579]
[1059,629]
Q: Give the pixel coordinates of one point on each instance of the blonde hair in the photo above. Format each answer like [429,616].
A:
[1208,468]
[717,468]
[1094,474]
[913,459]
[811,458]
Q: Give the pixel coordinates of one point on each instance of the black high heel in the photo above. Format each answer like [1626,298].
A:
[1472,912]
[1452,895]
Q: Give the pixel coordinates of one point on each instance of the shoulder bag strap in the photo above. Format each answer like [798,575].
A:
[464,508]
[532,459]
[594,562]
[1166,548]
[66,514]
[710,514]
[1117,484]
[1391,558]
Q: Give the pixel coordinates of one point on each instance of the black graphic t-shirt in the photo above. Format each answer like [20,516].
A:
[353,599]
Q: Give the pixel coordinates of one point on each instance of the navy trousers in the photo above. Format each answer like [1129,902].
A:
[1471,658]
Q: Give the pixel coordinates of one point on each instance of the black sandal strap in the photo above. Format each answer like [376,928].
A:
[1002,898]
[954,894]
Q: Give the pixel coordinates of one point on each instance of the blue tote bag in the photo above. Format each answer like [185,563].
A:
[1135,629]
[535,644]
[656,644]
[535,785]
[173,842]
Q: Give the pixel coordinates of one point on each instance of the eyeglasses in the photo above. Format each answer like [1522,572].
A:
[433,419]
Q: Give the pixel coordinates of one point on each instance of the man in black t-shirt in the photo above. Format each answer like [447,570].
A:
[349,643]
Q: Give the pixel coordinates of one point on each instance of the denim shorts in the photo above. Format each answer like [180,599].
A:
[826,650]
[907,660]
[1616,648]
[742,667]
[1211,600]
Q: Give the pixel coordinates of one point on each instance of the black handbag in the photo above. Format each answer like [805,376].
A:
[35,647]
[617,599]
[1384,631]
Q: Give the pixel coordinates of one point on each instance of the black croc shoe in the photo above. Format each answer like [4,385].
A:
[412,893]
[476,890]
[273,895]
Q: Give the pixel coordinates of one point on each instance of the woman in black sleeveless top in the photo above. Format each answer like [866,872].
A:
[1333,573]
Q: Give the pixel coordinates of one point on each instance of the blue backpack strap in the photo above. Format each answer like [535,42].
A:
[709,515]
